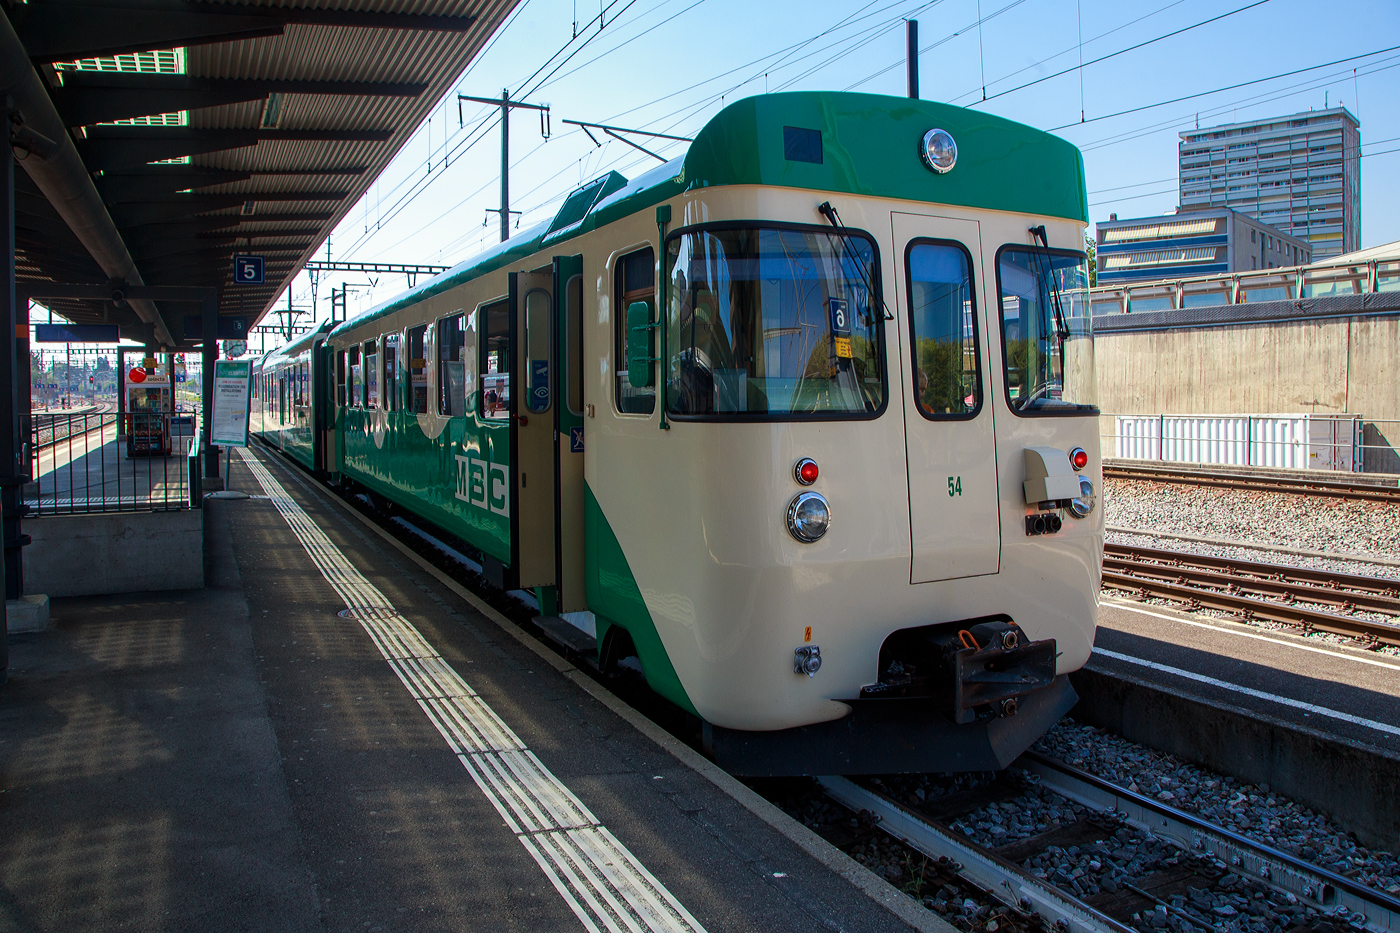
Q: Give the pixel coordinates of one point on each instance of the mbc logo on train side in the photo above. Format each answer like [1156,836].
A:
[483,484]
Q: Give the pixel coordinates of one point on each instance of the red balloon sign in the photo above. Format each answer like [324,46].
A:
[137,375]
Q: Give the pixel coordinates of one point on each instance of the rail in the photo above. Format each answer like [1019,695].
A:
[1333,895]
[86,463]
[1270,592]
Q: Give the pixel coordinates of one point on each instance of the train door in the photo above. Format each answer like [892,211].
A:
[532,404]
[568,439]
[950,439]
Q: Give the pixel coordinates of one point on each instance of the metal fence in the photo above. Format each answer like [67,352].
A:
[1343,443]
[1320,280]
[98,462]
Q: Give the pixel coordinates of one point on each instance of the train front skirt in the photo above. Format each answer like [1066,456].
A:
[888,736]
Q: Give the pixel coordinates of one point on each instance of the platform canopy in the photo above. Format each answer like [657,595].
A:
[190,132]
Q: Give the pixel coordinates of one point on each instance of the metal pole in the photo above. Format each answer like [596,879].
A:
[912,34]
[11,476]
[210,352]
[505,164]
[121,397]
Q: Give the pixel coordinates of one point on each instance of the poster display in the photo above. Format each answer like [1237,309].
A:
[232,380]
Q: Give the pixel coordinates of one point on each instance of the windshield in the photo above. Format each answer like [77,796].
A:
[767,323]
[1046,334]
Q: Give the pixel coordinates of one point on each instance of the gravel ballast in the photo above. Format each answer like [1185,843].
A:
[1283,519]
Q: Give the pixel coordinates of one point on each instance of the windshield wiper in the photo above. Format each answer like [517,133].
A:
[829,212]
[1061,329]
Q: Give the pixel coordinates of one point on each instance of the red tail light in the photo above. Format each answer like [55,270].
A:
[805,472]
[1079,458]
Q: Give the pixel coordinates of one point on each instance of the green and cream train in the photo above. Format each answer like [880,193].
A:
[804,421]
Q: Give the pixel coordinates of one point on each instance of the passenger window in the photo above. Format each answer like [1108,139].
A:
[537,355]
[493,326]
[418,369]
[391,372]
[356,399]
[371,371]
[942,314]
[452,377]
[635,281]
[340,398]
[573,293]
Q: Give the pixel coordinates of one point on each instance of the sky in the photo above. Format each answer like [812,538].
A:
[1072,67]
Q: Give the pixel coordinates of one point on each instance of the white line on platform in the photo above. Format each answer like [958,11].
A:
[1281,638]
[1248,691]
[603,883]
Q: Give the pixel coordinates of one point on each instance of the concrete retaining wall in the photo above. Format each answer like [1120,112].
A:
[1336,366]
[1353,783]
[1341,365]
[114,552]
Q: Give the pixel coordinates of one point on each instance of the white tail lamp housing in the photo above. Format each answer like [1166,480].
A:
[1049,476]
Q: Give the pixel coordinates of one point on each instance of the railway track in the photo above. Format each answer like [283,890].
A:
[50,429]
[1293,596]
[1209,864]
[1300,484]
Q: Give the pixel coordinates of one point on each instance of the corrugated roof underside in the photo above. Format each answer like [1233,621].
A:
[331,53]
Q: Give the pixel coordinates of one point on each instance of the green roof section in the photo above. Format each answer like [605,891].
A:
[869,146]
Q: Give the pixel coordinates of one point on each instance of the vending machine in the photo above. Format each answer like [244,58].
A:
[149,405]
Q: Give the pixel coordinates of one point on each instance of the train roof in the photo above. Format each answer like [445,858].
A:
[305,342]
[869,145]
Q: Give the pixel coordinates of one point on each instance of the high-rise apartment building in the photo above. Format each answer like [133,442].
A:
[1301,174]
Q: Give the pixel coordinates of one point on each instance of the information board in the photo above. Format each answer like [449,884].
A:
[232,379]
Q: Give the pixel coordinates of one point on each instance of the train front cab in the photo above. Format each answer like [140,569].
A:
[926,487]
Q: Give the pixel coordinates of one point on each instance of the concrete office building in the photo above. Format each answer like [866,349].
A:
[1300,174]
[1204,242]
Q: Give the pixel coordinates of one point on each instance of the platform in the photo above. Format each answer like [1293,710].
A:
[246,757]
[1350,692]
[1317,722]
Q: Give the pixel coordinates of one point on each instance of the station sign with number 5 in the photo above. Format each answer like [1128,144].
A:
[248,270]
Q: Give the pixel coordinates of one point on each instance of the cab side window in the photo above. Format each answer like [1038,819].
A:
[340,397]
[635,280]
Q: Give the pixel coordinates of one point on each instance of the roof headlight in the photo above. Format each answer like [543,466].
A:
[939,151]
[808,516]
[1083,504]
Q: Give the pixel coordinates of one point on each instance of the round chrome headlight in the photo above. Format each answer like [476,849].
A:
[1081,507]
[808,516]
[939,151]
